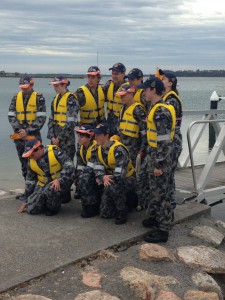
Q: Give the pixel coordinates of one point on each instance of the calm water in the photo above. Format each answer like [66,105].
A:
[195,94]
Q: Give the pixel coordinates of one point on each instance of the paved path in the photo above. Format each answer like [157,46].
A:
[35,245]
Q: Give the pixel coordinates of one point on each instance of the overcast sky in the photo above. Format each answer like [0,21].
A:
[69,36]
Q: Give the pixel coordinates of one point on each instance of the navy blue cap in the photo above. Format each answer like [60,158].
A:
[171,76]
[59,80]
[25,81]
[101,128]
[93,70]
[118,67]
[134,73]
[153,83]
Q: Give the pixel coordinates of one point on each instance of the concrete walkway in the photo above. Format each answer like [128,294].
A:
[32,246]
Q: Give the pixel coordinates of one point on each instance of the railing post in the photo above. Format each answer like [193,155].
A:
[214,99]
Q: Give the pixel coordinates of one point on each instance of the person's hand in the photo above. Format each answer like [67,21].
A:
[22,208]
[55,141]
[107,180]
[55,184]
[158,172]
[22,133]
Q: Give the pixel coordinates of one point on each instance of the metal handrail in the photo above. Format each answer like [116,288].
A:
[189,145]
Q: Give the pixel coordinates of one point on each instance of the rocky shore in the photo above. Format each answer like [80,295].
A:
[191,265]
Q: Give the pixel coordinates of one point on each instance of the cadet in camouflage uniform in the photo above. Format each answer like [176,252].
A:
[64,110]
[171,96]
[49,178]
[84,174]
[91,99]
[113,169]
[160,133]
[135,78]
[114,104]
[27,115]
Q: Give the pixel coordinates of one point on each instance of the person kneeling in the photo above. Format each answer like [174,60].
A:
[50,174]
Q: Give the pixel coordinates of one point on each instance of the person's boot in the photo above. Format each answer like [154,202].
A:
[89,211]
[66,197]
[157,236]
[121,217]
[150,222]
[77,194]
[51,212]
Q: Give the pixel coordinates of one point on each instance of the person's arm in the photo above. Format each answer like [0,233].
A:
[51,123]
[140,116]
[122,160]
[12,115]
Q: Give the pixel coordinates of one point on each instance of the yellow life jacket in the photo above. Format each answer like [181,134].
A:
[91,111]
[27,114]
[151,128]
[60,110]
[137,96]
[128,124]
[54,167]
[111,158]
[88,153]
[114,102]
[178,117]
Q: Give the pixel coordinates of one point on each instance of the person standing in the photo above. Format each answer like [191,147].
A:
[171,96]
[160,133]
[49,178]
[64,110]
[27,115]
[114,104]
[91,99]
[113,168]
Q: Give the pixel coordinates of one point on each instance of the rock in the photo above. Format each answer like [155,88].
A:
[199,295]
[16,191]
[145,284]
[154,252]
[95,295]
[2,193]
[29,297]
[206,283]
[92,279]
[166,295]
[220,224]
[208,234]
[208,259]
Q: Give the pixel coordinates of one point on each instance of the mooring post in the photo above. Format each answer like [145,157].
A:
[214,99]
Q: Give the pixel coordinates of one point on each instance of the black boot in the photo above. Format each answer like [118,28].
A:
[131,200]
[157,236]
[66,197]
[121,217]
[51,212]
[89,211]
[150,222]
[77,194]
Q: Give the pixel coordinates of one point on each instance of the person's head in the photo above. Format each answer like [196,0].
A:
[126,94]
[118,73]
[33,149]
[85,135]
[153,88]
[26,84]
[135,77]
[93,76]
[60,84]
[102,134]
[170,80]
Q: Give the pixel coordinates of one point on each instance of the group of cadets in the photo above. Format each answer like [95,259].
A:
[129,142]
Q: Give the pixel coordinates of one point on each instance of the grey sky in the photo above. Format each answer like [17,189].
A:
[65,36]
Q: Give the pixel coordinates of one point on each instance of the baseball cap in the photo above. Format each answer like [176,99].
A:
[125,89]
[93,70]
[30,146]
[134,73]
[59,79]
[171,76]
[101,128]
[25,82]
[86,129]
[118,67]
[154,83]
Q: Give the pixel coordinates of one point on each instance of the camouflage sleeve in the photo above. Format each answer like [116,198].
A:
[122,160]
[50,133]
[80,97]
[163,122]
[31,181]
[140,116]
[72,111]
[98,168]
[12,115]
[40,116]
[175,103]
[68,169]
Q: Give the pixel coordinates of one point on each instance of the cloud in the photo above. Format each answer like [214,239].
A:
[69,37]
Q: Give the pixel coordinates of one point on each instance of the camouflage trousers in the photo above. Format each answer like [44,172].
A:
[47,198]
[175,156]
[142,187]
[20,147]
[70,150]
[90,191]
[114,199]
[112,122]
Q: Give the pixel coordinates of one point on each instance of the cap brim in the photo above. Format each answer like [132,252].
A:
[28,153]
[121,93]
[142,86]
[115,69]
[130,76]
[84,131]
[24,86]
[93,73]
